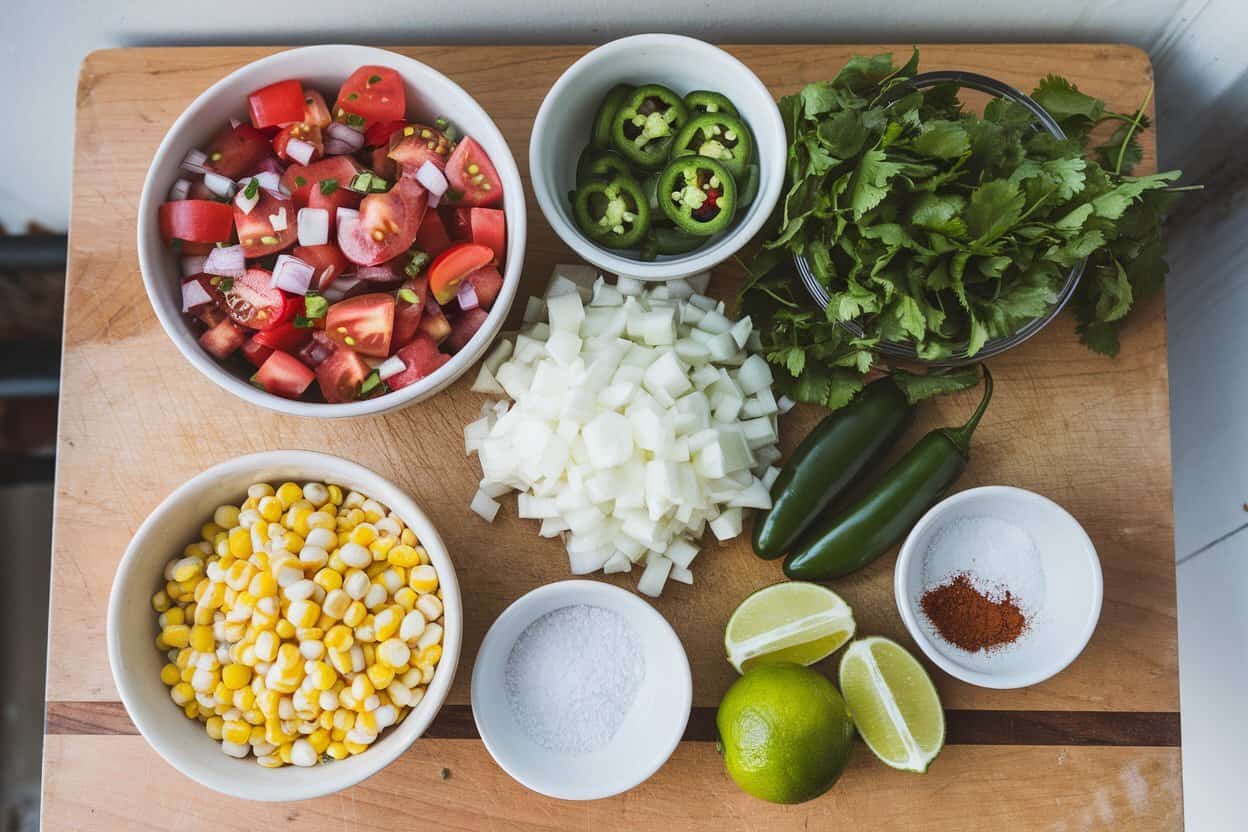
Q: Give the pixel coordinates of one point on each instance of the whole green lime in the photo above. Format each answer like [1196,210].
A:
[785,731]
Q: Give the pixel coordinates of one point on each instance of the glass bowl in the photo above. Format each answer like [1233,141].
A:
[905,350]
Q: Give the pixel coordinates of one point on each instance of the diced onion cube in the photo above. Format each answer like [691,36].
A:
[313,225]
[485,506]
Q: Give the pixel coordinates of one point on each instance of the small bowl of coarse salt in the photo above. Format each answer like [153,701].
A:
[999,586]
[581,690]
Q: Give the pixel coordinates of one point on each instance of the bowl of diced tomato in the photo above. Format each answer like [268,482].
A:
[332,231]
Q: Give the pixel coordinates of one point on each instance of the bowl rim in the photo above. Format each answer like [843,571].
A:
[411,728]
[460,363]
[580,590]
[771,175]
[907,558]
[905,350]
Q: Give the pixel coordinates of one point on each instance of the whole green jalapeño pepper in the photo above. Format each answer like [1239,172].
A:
[850,539]
[698,195]
[705,101]
[646,123]
[720,137]
[600,133]
[613,213]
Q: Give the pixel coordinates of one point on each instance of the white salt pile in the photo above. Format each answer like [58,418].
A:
[572,676]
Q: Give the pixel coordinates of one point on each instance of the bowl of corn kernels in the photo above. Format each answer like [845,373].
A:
[284,625]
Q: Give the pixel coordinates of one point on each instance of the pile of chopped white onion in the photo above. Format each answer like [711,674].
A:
[638,418]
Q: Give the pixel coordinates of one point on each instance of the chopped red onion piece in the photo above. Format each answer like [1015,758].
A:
[434,200]
[270,181]
[193,264]
[392,366]
[194,161]
[270,164]
[313,226]
[193,295]
[347,135]
[300,151]
[292,275]
[180,190]
[333,147]
[467,296]
[432,178]
[348,215]
[226,262]
[381,273]
[222,186]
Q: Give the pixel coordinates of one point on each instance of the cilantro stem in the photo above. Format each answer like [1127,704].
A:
[1135,124]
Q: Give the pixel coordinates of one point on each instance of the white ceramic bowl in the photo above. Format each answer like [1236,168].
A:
[429,93]
[650,731]
[136,662]
[561,132]
[1067,598]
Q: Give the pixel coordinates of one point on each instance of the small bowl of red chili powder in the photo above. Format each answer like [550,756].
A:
[999,586]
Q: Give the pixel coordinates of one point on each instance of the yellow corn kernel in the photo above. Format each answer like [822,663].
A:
[423,579]
[321,520]
[176,615]
[355,614]
[363,534]
[160,601]
[298,518]
[236,676]
[270,761]
[240,542]
[288,656]
[355,747]
[325,621]
[209,531]
[285,751]
[288,493]
[339,638]
[381,676]
[408,537]
[362,688]
[335,495]
[406,598]
[266,646]
[337,750]
[214,596]
[182,693]
[176,635]
[270,509]
[322,675]
[430,655]
[405,556]
[303,613]
[370,654]
[245,700]
[183,659]
[273,733]
[319,740]
[188,673]
[340,660]
[237,731]
[336,603]
[375,569]
[292,542]
[191,709]
[285,629]
[201,639]
[367,721]
[394,653]
[386,623]
[382,546]
[170,675]
[215,726]
[328,579]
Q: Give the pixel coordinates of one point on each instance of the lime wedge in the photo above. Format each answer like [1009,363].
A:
[789,622]
[893,703]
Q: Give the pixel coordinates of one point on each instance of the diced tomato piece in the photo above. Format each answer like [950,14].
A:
[416,144]
[472,173]
[364,323]
[379,134]
[251,301]
[283,375]
[300,180]
[453,265]
[489,228]
[208,283]
[318,348]
[341,197]
[341,375]
[276,104]
[238,151]
[285,336]
[210,316]
[433,323]
[303,132]
[465,326]
[382,165]
[387,224]
[255,229]
[326,259]
[407,312]
[255,352]
[487,283]
[432,238]
[457,222]
[223,339]
[421,358]
[196,221]
[315,110]
[371,94]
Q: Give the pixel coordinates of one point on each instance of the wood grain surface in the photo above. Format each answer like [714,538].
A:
[137,420]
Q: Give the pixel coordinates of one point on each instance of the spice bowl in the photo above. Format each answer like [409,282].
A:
[1008,574]
[581,690]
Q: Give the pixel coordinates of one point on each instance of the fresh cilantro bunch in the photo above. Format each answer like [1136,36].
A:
[938,227]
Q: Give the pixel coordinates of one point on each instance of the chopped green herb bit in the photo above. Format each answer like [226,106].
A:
[408,296]
[441,123]
[355,120]
[316,306]
[452,195]
[328,186]
[417,265]
[300,181]
[353,96]
[252,189]
[374,79]
[303,322]
[372,381]
[226,284]
[360,182]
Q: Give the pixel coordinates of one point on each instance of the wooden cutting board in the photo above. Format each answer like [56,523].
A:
[1094,747]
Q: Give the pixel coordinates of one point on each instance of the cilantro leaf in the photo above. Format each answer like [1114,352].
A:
[870,183]
[942,140]
[995,208]
[935,382]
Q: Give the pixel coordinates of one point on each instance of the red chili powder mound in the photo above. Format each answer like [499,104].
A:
[969,619]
